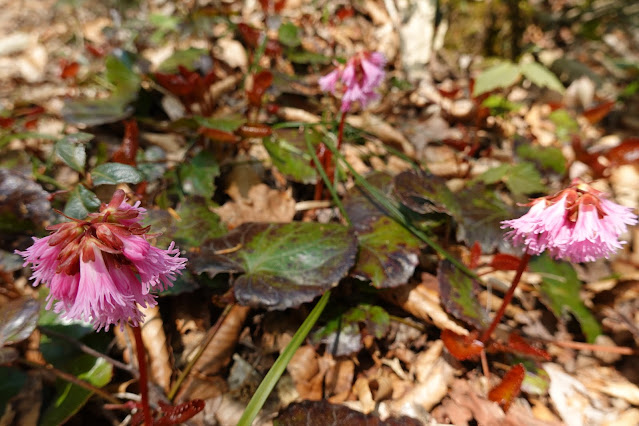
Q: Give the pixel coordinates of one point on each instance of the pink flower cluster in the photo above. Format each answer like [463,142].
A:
[102,268]
[360,77]
[577,224]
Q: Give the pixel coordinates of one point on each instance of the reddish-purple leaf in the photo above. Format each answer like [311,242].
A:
[261,81]
[627,152]
[219,135]
[178,414]
[505,262]
[509,387]
[462,347]
[516,343]
[129,147]
[475,252]
[254,130]
[595,114]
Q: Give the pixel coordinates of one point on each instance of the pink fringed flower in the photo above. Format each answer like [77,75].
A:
[102,268]
[360,77]
[577,224]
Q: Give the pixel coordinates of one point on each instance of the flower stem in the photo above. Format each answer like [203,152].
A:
[329,164]
[72,379]
[144,379]
[507,298]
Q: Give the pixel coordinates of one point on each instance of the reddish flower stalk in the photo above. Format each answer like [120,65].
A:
[359,78]
[99,269]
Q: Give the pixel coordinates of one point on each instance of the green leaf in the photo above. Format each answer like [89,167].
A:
[547,157]
[126,81]
[494,175]
[288,153]
[70,398]
[306,57]
[152,163]
[187,58]
[198,175]
[227,124]
[541,76]
[81,202]
[288,35]
[424,193]
[114,173]
[360,208]
[388,254]
[499,76]
[560,287]
[281,265]
[481,216]
[94,112]
[458,293]
[11,381]
[523,178]
[499,105]
[198,223]
[565,124]
[72,151]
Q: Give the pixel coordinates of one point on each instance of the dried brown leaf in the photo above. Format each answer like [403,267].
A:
[422,301]
[156,346]
[262,205]
[215,357]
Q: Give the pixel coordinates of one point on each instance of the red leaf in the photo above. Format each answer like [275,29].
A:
[219,135]
[69,69]
[273,48]
[7,122]
[180,413]
[505,262]
[509,387]
[345,12]
[591,160]
[31,124]
[272,5]
[475,252]
[250,35]
[462,347]
[517,344]
[29,111]
[96,51]
[597,113]
[178,84]
[254,130]
[449,94]
[261,81]
[627,152]
[129,147]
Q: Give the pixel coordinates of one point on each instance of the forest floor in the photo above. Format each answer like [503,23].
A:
[204,114]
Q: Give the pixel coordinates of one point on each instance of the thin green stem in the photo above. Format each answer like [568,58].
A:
[507,298]
[72,379]
[396,215]
[264,390]
[144,378]
[327,181]
[207,340]
[86,349]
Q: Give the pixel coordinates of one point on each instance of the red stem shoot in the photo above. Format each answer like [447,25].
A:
[507,298]
[144,380]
